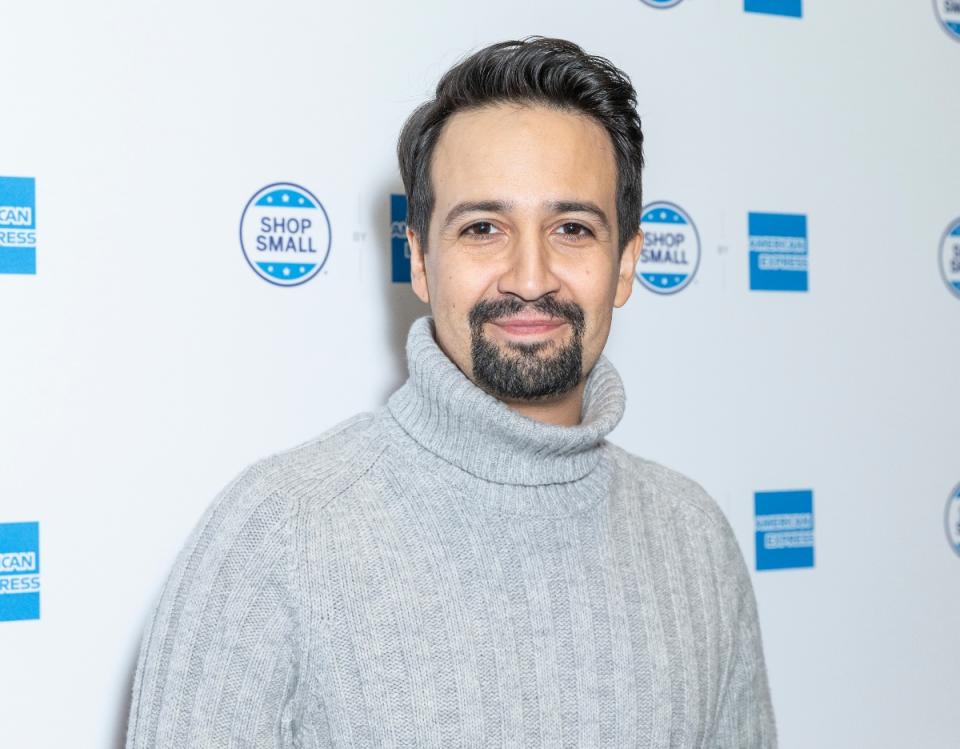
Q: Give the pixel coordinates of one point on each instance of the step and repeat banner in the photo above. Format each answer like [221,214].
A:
[202,262]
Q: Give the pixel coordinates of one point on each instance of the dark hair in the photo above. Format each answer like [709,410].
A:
[535,70]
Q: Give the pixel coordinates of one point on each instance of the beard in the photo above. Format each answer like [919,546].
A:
[523,371]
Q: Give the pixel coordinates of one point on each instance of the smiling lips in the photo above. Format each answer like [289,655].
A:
[520,325]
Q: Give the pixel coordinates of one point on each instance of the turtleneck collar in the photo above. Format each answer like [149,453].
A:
[442,410]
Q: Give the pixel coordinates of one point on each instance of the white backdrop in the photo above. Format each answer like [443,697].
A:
[144,364]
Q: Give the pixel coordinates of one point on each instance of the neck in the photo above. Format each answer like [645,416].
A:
[446,413]
[564,411]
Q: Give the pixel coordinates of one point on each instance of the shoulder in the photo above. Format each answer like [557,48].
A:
[338,447]
[319,468]
[673,491]
[681,503]
[269,492]
[692,515]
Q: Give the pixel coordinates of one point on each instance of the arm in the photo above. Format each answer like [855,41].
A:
[217,664]
[745,719]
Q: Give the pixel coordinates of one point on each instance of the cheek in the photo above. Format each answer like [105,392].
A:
[592,287]
[463,285]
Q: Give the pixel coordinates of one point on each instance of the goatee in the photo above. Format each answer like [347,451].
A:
[522,373]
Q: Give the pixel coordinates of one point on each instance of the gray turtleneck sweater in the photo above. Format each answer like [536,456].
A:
[445,572]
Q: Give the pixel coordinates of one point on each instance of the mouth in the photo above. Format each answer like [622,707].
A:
[528,325]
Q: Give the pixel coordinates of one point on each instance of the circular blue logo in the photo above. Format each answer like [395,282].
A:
[952,519]
[662,3]
[950,257]
[285,234]
[948,13]
[671,248]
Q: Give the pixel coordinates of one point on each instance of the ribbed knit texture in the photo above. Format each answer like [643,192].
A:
[445,572]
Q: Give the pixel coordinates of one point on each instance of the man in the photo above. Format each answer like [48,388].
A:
[474,564]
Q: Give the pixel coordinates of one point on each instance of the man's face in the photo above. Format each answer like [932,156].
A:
[522,268]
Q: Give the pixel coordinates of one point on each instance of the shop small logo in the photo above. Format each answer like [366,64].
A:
[952,519]
[662,3]
[399,246]
[950,257]
[285,234]
[778,251]
[784,532]
[18,225]
[791,8]
[671,248]
[948,13]
[19,571]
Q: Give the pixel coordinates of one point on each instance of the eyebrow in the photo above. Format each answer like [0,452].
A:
[502,206]
[485,206]
[576,206]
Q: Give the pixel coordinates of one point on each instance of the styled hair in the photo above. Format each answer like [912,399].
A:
[536,70]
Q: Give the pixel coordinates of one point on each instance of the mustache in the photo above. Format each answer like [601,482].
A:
[487,310]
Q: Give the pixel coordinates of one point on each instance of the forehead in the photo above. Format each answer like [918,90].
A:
[524,154]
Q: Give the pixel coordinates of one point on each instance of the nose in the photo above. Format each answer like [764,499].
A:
[530,274]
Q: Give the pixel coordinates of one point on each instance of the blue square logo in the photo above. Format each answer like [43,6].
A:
[792,8]
[19,571]
[778,251]
[784,529]
[399,247]
[18,225]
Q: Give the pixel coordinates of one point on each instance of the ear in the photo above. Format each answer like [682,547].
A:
[628,266]
[418,268]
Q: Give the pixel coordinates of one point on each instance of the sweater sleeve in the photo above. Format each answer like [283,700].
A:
[217,660]
[746,719]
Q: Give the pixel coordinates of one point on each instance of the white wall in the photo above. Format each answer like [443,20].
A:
[145,364]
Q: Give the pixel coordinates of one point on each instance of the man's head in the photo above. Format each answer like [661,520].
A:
[523,184]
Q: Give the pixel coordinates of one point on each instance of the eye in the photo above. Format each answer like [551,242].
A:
[481,229]
[574,230]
